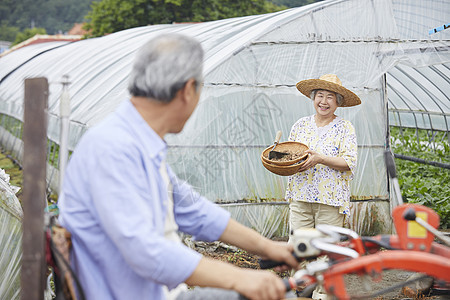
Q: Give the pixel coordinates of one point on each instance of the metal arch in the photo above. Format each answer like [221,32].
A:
[413,95]
[401,97]
[426,92]
[446,78]
[406,103]
[393,104]
[434,69]
[422,87]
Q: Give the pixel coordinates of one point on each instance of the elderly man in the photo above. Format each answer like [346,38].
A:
[124,205]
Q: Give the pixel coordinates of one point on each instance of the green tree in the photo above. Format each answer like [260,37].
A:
[8,33]
[108,16]
[54,15]
[28,33]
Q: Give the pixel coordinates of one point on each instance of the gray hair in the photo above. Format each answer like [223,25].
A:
[339,97]
[164,65]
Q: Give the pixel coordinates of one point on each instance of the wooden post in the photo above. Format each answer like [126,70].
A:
[34,188]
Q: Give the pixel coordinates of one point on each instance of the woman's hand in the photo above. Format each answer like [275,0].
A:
[313,159]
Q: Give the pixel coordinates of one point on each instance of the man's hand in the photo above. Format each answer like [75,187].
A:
[245,238]
[259,285]
[253,284]
[281,252]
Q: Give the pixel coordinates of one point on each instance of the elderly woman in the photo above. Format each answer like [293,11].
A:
[319,193]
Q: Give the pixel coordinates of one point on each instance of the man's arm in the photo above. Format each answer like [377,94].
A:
[254,284]
[246,238]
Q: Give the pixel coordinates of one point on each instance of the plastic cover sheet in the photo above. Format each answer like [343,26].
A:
[10,240]
[270,219]
[16,58]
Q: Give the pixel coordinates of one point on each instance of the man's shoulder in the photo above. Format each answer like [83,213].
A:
[106,135]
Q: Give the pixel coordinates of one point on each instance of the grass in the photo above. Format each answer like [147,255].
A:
[13,170]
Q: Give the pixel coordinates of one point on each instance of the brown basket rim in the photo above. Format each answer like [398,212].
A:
[282,170]
[283,163]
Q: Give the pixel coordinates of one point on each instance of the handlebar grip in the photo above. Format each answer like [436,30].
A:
[269,264]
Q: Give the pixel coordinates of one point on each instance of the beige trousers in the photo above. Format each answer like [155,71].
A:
[308,215]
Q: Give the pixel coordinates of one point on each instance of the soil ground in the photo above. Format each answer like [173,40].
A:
[361,286]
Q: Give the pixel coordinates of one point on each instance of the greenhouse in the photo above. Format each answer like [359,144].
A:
[385,51]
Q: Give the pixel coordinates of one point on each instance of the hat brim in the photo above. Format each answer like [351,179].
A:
[307,86]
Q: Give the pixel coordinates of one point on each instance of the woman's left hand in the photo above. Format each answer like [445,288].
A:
[313,159]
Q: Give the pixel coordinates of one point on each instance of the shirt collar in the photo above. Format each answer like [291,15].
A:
[152,142]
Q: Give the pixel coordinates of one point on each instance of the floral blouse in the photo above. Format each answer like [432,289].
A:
[322,184]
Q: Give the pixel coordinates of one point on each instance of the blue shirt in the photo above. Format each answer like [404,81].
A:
[113,203]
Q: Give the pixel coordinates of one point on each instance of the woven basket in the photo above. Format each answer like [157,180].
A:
[282,170]
[285,147]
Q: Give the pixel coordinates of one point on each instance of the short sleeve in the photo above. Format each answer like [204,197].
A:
[349,147]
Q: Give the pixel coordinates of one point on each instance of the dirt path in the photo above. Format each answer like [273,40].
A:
[362,286]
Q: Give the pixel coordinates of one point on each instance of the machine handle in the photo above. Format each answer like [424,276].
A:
[390,164]
[269,264]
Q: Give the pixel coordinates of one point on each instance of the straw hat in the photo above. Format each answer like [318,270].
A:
[329,82]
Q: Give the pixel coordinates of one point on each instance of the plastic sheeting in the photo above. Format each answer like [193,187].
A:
[10,239]
[251,67]
[271,218]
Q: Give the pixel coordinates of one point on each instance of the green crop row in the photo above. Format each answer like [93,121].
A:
[422,183]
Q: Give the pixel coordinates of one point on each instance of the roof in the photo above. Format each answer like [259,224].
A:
[43,38]
[77,29]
